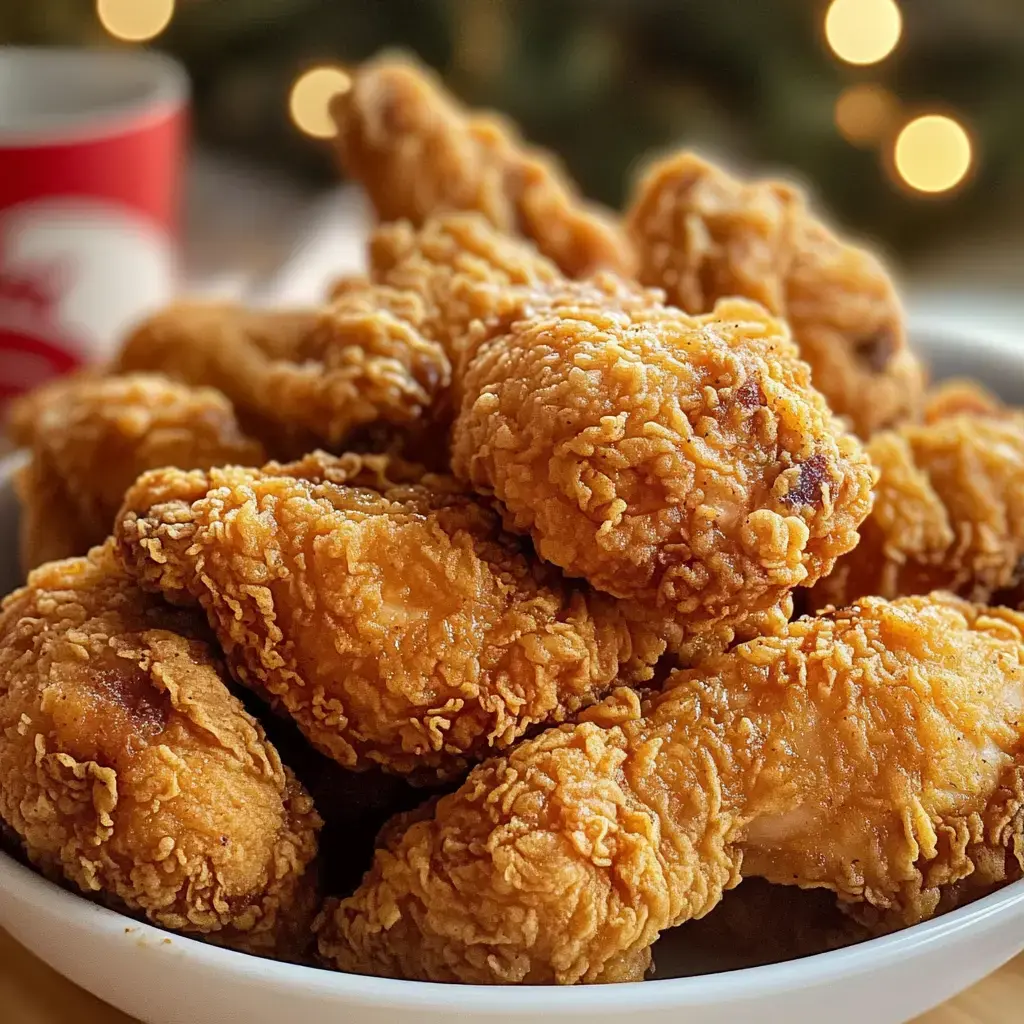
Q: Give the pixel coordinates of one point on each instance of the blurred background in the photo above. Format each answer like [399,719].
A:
[905,116]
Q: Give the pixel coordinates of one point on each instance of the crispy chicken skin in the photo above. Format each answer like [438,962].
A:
[702,234]
[224,346]
[949,513]
[89,438]
[684,463]
[465,270]
[876,752]
[418,152]
[299,379]
[396,622]
[127,768]
[959,395]
[365,362]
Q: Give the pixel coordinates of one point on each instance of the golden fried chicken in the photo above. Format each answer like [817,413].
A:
[228,347]
[89,438]
[467,273]
[127,767]
[394,621]
[417,153]
[475,282]
[877,752]
[961,395]
[681,462]
[949,513]
[702,234]
[299,379]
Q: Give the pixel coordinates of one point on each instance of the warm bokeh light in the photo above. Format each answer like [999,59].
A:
[933,153]
[310,99]
[135,20]
[865,113]
[863,31]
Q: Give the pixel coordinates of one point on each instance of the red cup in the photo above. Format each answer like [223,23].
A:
[90,167]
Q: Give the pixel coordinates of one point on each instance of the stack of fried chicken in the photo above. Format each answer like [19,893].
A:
[497,552]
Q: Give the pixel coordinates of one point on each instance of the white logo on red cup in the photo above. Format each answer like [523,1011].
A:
[90,151]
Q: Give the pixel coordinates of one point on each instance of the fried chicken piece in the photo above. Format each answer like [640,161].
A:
[91,437]
[949,513]
[875,752]
[418,152]
[462,279]
[475,283]
[681,462]
[127,767]
[702,234]
[960,395]
[228,347]
[465,270]
[299,379]
[395,622]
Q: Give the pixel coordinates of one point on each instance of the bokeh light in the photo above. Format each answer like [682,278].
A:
[933,153]
[863,31]
[135,21]
[865,113]
[310,100]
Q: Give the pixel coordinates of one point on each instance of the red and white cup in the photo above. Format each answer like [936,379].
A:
[91,146]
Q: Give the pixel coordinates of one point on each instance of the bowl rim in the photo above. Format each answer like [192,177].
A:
[46,899]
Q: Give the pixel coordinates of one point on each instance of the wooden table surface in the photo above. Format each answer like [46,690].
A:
[31,993]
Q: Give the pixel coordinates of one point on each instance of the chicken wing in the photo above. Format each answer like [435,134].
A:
[702,235]
[127,768]
[877,752]
[960,395]
[949,513]
[684,463]
[463,268]
[299,379]
[394,621]
[223,346]
[89,438]
[417,152]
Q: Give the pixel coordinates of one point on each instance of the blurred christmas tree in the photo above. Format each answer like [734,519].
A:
[605,81]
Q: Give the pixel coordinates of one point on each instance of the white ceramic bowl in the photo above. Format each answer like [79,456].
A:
[166,979]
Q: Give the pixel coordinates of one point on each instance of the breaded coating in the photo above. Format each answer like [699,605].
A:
[418,152]
[474,283]
[684,463]
[702,234]
[224,346]
[397,624]
[949,513]
[301,378]
[464,269]
[876,752]
[365,362]
[90,437]
[453,280]
[127,767]
[960,395]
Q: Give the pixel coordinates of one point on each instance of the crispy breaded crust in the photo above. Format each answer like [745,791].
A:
[127,767]
[702,235]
